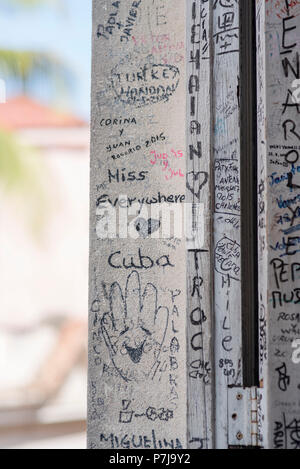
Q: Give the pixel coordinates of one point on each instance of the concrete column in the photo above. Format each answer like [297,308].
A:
[137,349]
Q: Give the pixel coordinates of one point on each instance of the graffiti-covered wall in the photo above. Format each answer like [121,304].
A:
[279,229]
[172,191]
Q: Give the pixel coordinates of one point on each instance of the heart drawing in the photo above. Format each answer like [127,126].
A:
[146,227]
[196,181]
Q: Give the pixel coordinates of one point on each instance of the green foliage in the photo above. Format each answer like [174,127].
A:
[20,168]
[25,66]
[21,173]
[14,173]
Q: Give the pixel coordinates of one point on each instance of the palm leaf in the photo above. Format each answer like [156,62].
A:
[15,174]
[25,66]
[21,171]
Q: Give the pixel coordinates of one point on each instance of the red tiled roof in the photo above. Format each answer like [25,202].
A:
[23,112]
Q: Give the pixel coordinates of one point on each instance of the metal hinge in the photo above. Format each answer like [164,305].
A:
[243,417]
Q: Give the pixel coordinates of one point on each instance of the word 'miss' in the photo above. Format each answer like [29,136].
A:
[125,176]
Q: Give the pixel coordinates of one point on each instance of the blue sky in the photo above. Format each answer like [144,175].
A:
[64,32]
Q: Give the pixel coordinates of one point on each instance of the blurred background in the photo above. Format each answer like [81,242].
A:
[45,55]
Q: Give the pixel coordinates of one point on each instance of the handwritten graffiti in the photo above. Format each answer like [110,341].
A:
[135,328]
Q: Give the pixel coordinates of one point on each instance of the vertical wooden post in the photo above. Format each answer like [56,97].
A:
[137,348]
[227,213]
[199,252]
[278,111]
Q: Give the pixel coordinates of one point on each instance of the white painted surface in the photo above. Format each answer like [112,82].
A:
[279,186]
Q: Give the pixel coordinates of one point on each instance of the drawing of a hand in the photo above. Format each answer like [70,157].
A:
[135,328]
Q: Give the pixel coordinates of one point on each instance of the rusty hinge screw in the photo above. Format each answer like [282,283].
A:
[239,436]
[239,397]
